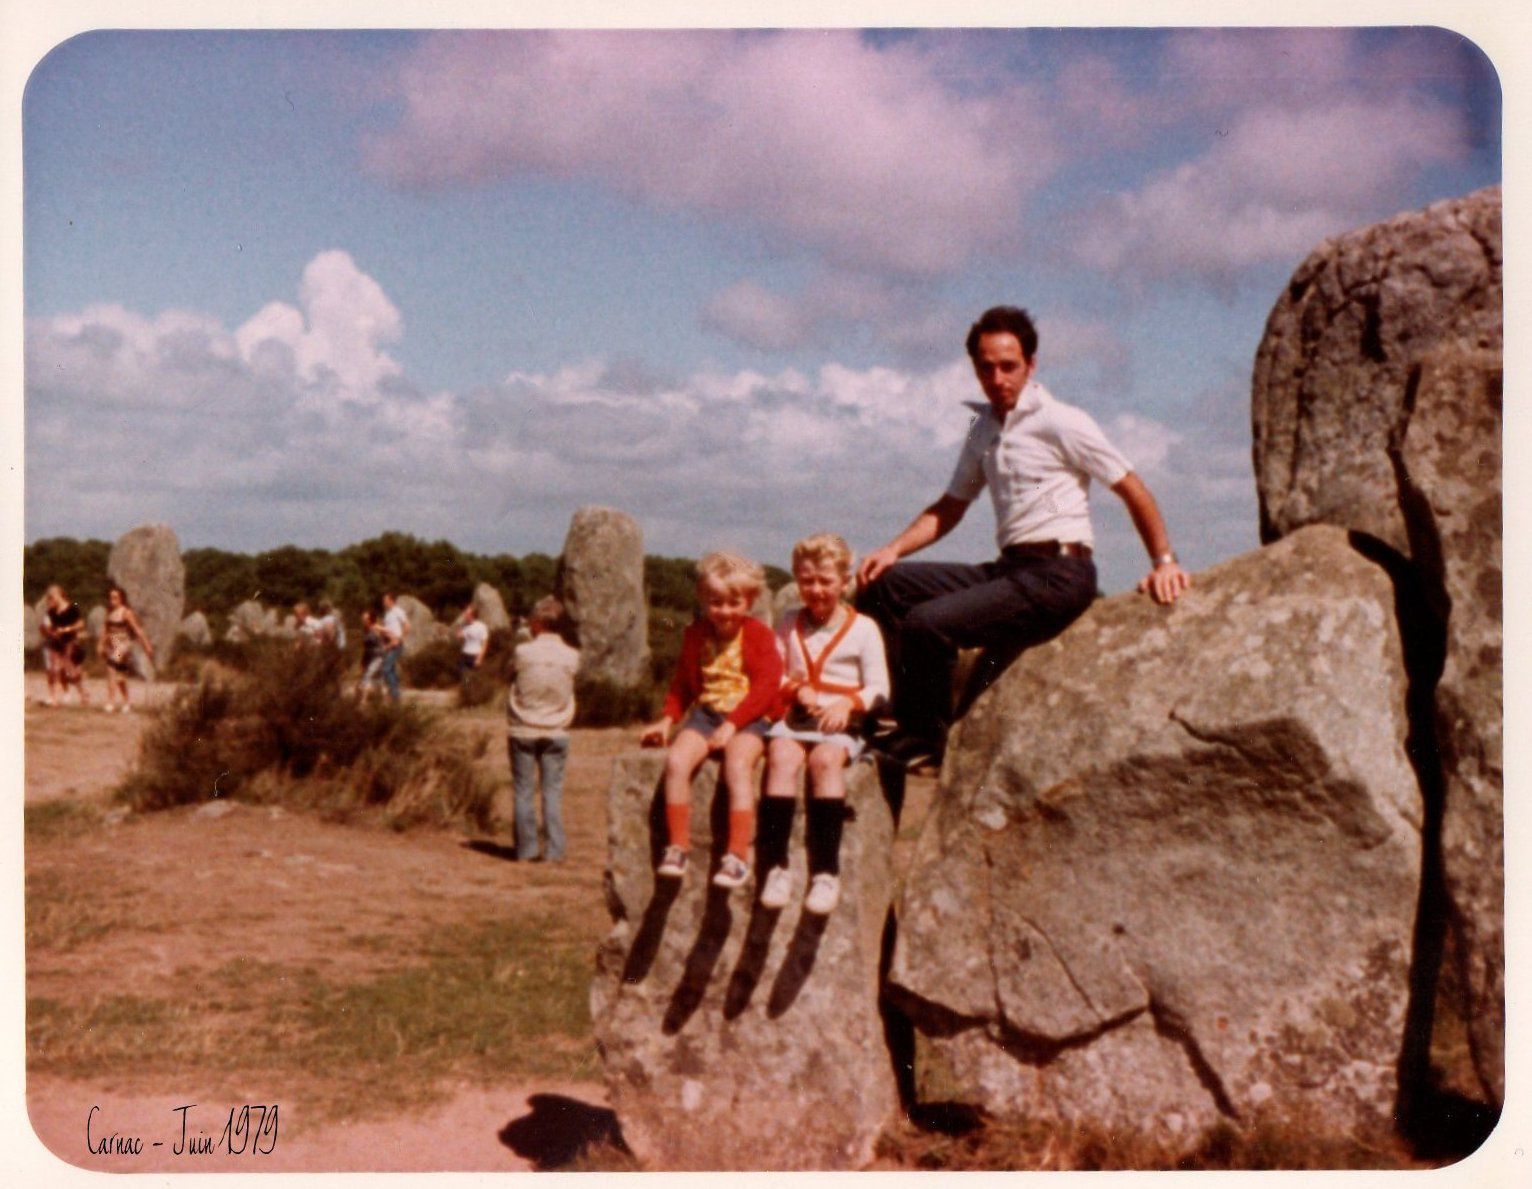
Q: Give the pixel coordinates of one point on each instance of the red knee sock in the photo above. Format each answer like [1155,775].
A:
[678,820]
[741,832]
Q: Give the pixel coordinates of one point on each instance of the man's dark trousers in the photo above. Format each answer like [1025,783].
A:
[930,610]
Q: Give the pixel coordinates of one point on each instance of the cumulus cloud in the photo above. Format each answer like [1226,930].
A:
[1295,135]
[859,151]
[295,427]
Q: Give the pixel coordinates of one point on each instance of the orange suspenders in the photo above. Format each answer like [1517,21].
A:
[815,664]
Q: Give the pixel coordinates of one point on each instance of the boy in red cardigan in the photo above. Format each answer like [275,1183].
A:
[726,685]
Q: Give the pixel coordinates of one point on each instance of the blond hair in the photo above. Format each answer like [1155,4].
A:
[732,573]
[822,547]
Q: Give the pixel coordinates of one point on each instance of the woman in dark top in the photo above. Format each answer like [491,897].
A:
[63,631]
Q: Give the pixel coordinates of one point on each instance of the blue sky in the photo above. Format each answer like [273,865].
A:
[309,287]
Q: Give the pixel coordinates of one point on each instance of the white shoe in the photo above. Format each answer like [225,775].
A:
[732,872]
[824,894]
[672,864]
[778,888]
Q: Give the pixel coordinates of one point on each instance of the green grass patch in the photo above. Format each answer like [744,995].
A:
[62,917]
[45,821]
[494,1002]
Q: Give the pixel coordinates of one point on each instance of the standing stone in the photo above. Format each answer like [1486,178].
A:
[601,582]
[1332,372]
[146,563]
[423,626]
[95,621]
[31,629]
[247,621]
[735,1036]
[785,600]
[490,607]
[195,631]
[1172,873]
[1451,459]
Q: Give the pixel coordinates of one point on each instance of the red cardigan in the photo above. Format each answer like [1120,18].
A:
[763,669]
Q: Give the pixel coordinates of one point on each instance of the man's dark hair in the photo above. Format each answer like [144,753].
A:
[1004,320]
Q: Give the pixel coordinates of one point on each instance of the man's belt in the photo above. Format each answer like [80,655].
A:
[1047,549]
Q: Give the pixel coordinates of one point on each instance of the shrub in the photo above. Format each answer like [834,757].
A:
[284,731]
[603,703]
[480,688]
[431,666]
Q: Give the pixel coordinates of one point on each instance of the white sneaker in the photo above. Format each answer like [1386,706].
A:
[824,894]
[673,865]
[778,888]
[732,872]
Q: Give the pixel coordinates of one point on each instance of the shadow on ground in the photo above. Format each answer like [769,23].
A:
[558,1129]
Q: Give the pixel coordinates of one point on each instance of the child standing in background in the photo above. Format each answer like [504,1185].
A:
[726,684]
[836,673]
[540,707]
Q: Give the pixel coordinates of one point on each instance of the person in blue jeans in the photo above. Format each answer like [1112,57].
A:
[1037,456]
[396,626]
[539,710]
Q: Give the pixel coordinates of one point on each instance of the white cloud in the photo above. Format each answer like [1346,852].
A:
[175,418]
[858,151]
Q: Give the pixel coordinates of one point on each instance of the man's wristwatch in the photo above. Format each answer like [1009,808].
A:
[1168,558]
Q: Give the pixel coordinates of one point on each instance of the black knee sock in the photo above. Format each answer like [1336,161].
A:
[774,826]
[826,823]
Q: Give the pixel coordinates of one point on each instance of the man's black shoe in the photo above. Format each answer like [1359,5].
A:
[915,753]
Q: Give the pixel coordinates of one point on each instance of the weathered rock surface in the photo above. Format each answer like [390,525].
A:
[31,629]
[1332,371]
[146,563]
[195,631]
[1173,872]
[1450,457]
[784,600]
[424,628]
[601,582]
[249,620]
[734,1036]
[95,620]
[490,607]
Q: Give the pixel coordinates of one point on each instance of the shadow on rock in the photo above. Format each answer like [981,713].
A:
[797,964]
[558,1129]
[494,850]
[752,960]
[716,922]
[651,930]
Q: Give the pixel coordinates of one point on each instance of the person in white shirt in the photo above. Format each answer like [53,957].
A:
[473,637]
[396,626]
[1037,456]
[834,673]
[539,710]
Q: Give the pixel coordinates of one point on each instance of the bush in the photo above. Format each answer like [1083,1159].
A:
[431,666]
[603,703]
[480,688]
[285,731]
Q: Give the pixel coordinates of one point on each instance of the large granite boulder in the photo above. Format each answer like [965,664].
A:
[1450,459]
[601,581]
[1332,373]
[31,629]
[195,631]
[146,563]
[1172,875]
[734,1036]
[95,621]
[490,607]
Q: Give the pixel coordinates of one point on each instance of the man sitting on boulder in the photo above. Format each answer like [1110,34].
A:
[1037,455]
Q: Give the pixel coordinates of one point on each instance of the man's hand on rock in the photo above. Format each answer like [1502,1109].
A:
[1165,583]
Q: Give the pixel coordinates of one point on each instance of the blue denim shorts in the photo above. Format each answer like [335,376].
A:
[705,720]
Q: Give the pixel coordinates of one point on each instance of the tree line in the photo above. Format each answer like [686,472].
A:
[437,573]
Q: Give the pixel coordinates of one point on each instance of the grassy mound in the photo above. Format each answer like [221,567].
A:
[286,730]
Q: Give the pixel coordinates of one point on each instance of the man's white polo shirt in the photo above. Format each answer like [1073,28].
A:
[1038,466]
